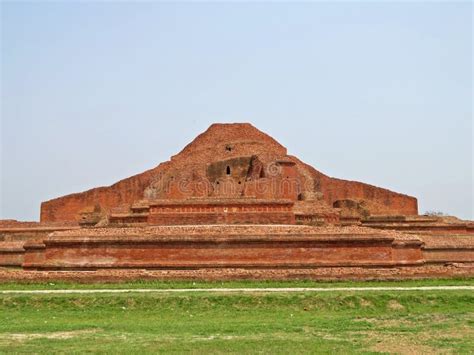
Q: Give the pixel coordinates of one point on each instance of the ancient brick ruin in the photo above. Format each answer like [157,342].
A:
[231,173]
[233,199]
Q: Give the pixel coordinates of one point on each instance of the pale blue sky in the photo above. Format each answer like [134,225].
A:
[95,92]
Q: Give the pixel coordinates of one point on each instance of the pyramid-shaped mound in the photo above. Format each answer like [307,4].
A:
[229,167]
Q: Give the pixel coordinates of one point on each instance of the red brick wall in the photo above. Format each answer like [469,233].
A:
[383,201]
[124,192]
[239,251]
[11,254]
[222,214]
[379,200]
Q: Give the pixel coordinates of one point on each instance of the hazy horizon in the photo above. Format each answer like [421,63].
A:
[92,93]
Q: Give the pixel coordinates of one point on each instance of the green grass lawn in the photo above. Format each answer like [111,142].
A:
[163,284]
[339,322]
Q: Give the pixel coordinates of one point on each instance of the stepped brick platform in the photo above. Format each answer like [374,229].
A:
[11,253]
[14,234]
[436,249]
[421,224]
[448,248]
[208,211]
[227,246]
[447,239]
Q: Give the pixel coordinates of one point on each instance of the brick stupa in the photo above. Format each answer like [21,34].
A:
[225,175]
[233,202]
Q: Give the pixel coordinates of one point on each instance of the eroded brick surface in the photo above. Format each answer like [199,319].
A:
[321,273]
